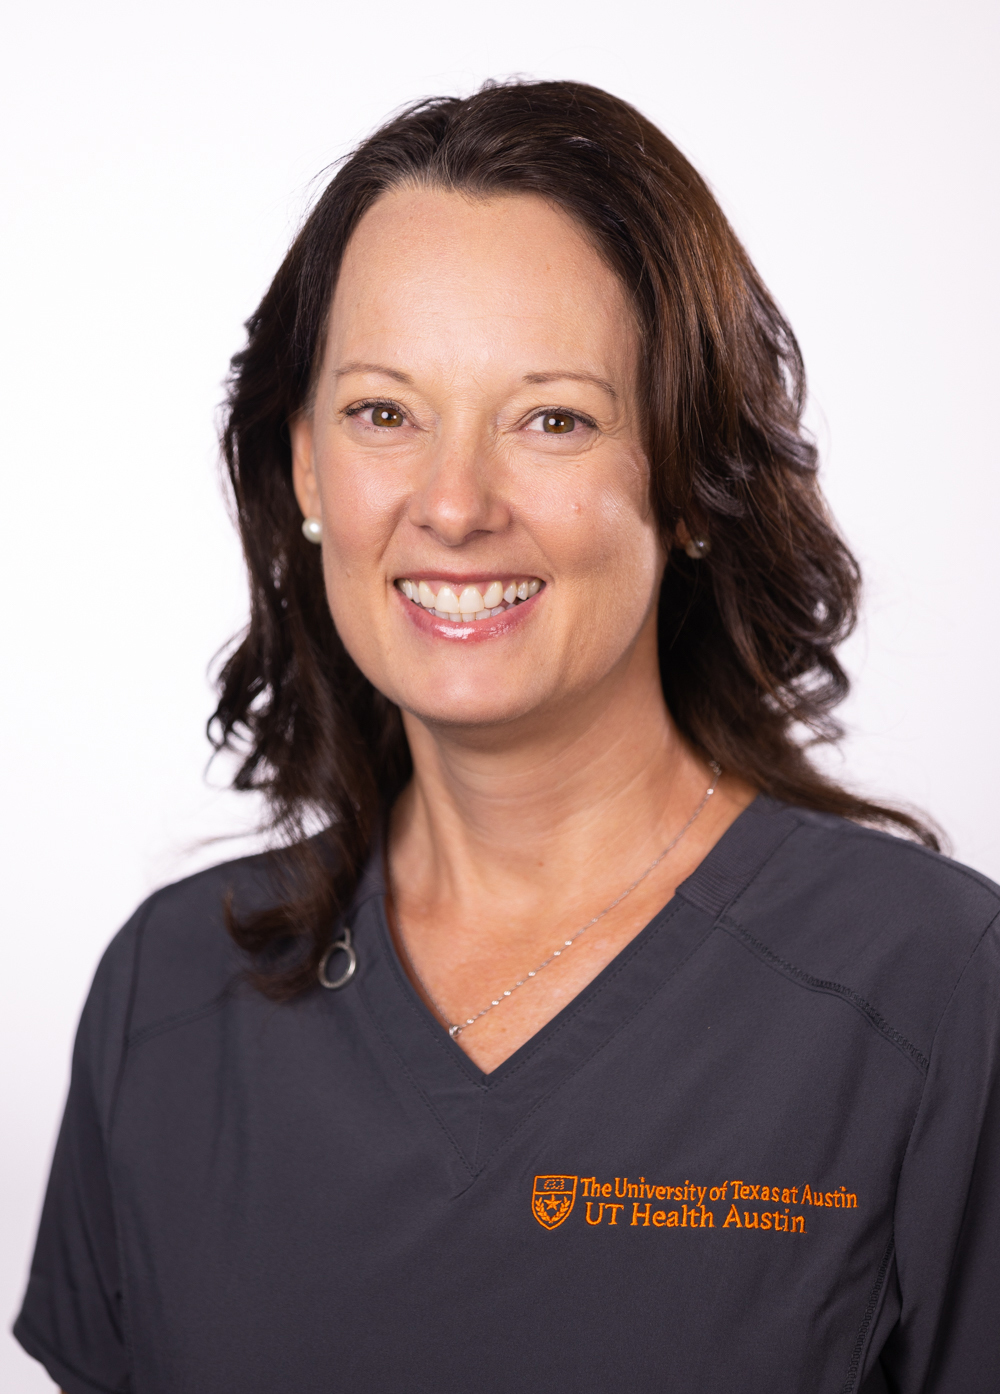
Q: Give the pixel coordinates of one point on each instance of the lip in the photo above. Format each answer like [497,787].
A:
[459,579]
[465,632]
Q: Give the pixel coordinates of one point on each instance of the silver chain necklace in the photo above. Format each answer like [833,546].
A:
[459,1027]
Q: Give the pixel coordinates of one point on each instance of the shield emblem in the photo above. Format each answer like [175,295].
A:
[552,1199]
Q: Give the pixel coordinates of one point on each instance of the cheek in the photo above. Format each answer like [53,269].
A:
[361,504]
[596,526]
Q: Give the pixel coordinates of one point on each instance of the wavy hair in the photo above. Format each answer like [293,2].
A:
[747,636]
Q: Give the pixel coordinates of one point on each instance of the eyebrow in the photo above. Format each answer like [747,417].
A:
[572,377]
[379,368]
[534,378]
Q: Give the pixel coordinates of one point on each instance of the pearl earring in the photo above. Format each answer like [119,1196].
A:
[697,547]
[312,530]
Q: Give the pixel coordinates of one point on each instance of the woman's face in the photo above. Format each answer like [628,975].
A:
[474,454]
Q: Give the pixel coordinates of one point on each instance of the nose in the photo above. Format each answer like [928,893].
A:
[459,496]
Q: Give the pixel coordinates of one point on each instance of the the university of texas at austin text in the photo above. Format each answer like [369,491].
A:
[733,1204]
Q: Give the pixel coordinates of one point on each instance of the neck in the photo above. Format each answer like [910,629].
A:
[600,784]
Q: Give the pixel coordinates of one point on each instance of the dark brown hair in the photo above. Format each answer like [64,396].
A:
[747,635]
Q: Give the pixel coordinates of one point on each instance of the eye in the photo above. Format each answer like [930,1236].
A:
[385,416]
[556,422]
[377,414]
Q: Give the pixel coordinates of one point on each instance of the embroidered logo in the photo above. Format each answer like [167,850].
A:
[635,1203]
[552,1199]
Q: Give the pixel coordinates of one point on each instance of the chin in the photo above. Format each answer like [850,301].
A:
[473,711]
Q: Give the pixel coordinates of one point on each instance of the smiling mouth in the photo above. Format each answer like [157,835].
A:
[480,602]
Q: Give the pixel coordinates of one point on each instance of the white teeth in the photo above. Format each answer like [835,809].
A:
[473,603]
[470,600]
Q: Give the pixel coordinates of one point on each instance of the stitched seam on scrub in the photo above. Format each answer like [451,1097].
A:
[578,1004]
[858,1353]
[479,1130]
[413,1082]
[994,923]
[427,1023]
[167,1023]
[158,1028]
[675,906]
[873,1301]
[834,989]
[669,911]
[602,1045]
[738,895]
[543,1037]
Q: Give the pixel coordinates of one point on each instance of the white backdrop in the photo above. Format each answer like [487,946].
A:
[157,160]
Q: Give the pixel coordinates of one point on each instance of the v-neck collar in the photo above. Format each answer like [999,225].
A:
[481,1112]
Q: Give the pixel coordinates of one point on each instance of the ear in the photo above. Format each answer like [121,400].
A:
[303,466]
[682,534]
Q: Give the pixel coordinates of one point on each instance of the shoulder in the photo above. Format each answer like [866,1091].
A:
[175,954]
[853,869]
[830,845]
[889,924]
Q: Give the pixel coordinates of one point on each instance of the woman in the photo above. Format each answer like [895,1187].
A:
[583,1036]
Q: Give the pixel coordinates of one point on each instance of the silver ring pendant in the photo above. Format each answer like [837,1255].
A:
[342,945]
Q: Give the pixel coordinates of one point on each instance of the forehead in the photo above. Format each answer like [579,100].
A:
[440,273]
